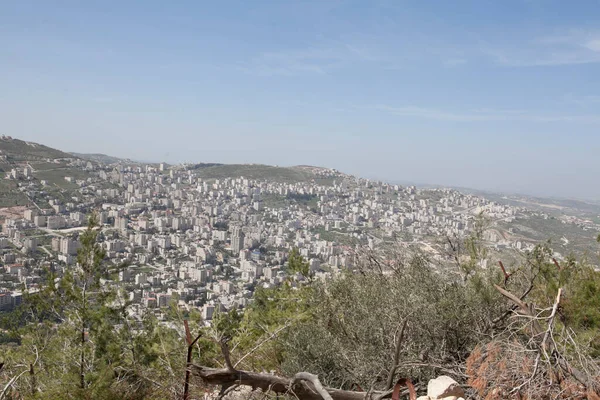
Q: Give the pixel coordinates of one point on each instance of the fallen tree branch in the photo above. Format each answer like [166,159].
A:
[314,380]
[304,389]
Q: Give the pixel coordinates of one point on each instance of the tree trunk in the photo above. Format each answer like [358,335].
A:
[304,390]
[83,319]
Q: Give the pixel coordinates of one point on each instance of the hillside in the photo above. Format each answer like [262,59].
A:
[13,153]
[15,150]
[255,171]
[100,158]
[46,164]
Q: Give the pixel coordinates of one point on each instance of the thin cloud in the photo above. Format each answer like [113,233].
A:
[582,101]
[593,45]
[313,60]
[483,115]
[545,60]
[328,56]
[571,48]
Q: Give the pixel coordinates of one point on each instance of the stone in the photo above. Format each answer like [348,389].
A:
[444,388]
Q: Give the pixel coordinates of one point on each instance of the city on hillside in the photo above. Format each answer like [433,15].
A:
[187,238]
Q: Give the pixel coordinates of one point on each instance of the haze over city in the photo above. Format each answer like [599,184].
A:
[499,96]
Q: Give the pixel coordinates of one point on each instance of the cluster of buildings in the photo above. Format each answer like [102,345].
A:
[207,244]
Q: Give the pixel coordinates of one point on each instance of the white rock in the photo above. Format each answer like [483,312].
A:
[444,388]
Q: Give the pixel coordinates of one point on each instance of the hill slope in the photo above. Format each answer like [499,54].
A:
[100,158]
[16,150]
[44,163]
[255,171]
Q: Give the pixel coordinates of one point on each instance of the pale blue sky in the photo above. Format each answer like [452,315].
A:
[497,95]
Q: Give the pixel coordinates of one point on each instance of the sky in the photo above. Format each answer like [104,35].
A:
[492,95]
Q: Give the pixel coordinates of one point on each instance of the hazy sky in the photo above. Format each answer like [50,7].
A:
[499,95]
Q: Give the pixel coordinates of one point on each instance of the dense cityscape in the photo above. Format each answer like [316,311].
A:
[206,244]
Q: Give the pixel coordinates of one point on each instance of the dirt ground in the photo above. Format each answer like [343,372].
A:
[12,212]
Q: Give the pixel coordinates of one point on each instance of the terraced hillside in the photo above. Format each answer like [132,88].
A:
[44,163]
[15,150]
[9,193]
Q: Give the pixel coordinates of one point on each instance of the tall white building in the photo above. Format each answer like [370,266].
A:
[237,241]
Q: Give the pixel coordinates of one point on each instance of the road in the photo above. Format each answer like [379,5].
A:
[47,251]
[69,230]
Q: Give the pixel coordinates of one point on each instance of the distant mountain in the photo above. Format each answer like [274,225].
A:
[557,205]
[101,158]
[545,204]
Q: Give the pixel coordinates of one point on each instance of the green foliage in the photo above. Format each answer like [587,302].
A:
[297,264]
[227,324]
[580,303]
[272,307]
[74,321]
[355,319]
[268,321]
[582,306]
[475,251]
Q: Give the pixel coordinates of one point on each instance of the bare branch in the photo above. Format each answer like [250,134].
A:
[225,390]
[506,274]
[514,299]
[525,310]
[557,264]
[580,376]
[226,355]
[10,383]
[392,373]
[188,335]
[190,348]
[550,322]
